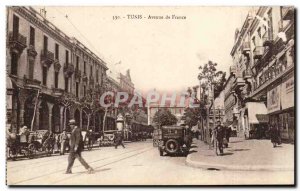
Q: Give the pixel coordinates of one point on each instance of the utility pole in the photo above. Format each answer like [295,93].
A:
[214,116]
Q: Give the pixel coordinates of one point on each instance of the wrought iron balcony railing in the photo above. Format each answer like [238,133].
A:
[47,57]
[17,41]
[68,69]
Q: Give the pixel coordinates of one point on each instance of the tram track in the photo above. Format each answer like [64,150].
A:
[90,162]
[48,161]
[98,167]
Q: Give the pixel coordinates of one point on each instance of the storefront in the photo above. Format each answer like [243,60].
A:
[281,107]
[255,120]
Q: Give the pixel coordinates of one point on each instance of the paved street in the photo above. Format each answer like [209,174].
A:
[139,163]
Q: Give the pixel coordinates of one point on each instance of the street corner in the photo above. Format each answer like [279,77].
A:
[204,158]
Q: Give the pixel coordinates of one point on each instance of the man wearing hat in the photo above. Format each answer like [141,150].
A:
[76,147]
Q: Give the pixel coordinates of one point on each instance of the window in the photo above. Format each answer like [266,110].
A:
[56,51]
[44,75]
[77,62]
[91,70]
[253,41]
[84,67]
[77,89]
[15,26]
[56,79]
[97,76]
[14,63]
[66,84]
[84,91]
[31,69]
[67,57]
[32,36]
[45,43]
[259,32]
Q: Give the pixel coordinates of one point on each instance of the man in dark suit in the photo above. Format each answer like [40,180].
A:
[220,136]
[76,147]
[119,139]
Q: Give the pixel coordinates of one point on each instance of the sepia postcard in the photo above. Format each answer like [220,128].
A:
[150,95]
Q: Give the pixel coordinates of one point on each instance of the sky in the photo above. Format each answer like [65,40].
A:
[161,54]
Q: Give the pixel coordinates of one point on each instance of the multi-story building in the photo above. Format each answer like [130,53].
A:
[262,81]
[126,83]
[87,83]
[45,87]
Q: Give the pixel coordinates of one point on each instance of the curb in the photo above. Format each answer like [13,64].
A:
[204,165]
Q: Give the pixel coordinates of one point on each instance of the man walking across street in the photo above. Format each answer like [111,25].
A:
[76,147]
[119,139]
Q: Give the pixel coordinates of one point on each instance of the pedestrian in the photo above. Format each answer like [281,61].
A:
[220,136]
[227,135]
[76,147]
[64,139]
[275,135]
[24,134]
[119,139]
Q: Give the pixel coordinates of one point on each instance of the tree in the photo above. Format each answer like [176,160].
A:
[164,117]
[213,77]
[192,116]
[89,105]
[67,100]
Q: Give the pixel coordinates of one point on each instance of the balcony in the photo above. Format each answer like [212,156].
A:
[237,86]
[47,58]
[84,78]
[267,39]
[17,42]
[32,83]
[258,52]
[57,65]
[247,73]
[77,74]
[232,69]
[287,13]
[31,52]
[245,48]
[68,69]
[57,91]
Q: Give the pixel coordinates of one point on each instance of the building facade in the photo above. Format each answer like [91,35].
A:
[49,75]
[261,84]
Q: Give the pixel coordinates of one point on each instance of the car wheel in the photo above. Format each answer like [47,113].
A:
[172,146]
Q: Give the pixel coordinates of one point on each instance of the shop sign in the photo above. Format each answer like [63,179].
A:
[287,92]
[273,99]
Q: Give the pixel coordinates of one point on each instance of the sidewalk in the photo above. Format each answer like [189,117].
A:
[243,155]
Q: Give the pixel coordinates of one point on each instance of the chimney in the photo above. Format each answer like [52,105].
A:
[43,12]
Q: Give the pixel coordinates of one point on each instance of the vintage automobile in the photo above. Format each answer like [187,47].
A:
[173,140]
[108,138]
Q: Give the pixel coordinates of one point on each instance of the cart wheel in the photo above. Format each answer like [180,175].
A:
[12,155]
[30,152]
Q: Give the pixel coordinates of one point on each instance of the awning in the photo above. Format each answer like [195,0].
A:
[257,112]
[262,118]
